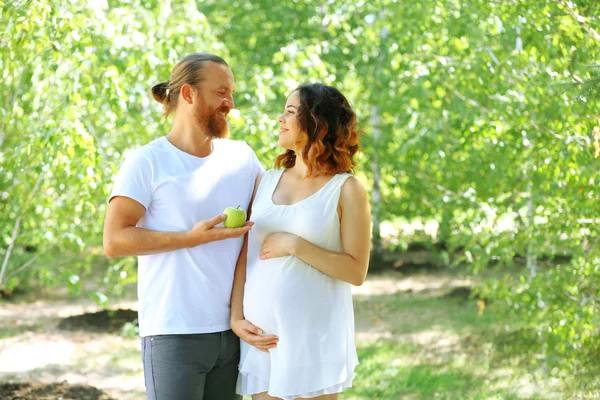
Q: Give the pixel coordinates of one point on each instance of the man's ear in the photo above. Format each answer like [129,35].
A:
[187,93]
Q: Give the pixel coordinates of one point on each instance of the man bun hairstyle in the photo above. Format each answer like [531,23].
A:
[189,70]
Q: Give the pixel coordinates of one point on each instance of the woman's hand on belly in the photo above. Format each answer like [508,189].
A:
[278,244]
[252,335]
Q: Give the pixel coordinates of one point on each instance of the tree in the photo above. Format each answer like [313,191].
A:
[465,126]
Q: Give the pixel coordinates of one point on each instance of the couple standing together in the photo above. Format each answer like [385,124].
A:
[281,283]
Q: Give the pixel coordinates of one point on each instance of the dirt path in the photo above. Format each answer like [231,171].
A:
[34,349]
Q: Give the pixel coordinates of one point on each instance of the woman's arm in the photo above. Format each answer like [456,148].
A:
[350,265]
[241,327]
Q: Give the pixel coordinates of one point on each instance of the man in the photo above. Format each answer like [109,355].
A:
[164,208]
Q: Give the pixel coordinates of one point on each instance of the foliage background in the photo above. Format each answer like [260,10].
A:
[474,133]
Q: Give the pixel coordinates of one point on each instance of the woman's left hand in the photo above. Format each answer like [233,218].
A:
[278,244]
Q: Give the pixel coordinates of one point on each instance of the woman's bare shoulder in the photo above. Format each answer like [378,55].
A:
[353,193]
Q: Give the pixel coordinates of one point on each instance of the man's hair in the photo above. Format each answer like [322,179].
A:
[189,70]
[328,133]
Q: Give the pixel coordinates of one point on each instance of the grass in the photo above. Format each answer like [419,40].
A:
[442,348]
[414,343]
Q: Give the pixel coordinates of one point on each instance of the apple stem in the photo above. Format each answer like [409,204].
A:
[239,206]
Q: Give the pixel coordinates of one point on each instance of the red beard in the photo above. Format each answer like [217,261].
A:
[211,122]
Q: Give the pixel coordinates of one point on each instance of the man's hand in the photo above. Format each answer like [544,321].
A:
[253,335]
[206,231]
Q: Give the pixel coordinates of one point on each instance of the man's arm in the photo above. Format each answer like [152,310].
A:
[123,238]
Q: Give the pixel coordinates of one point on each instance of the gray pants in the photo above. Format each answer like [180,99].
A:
[191,367]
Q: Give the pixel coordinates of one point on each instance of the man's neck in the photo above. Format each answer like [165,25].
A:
[190,139]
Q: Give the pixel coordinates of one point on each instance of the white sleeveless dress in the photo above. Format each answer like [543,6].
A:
[310,312]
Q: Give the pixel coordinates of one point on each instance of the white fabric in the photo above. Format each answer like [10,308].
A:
[187,290]
[310,312]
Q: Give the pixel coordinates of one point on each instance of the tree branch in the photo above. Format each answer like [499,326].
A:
[17,227]
[579,18]
[34,258]
[470,101]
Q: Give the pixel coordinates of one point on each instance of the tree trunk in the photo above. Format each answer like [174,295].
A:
[16,229]
[376,261]
[377,249]
[531,251]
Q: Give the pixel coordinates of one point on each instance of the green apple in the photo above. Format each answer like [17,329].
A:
[234,217]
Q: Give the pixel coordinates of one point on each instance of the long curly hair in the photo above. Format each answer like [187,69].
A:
[329,134]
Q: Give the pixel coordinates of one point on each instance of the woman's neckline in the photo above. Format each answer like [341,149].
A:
[299,201]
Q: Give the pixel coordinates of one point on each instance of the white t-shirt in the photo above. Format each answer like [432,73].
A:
[188,290]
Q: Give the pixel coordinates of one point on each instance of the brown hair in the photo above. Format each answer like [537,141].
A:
[328,132]
[189,70]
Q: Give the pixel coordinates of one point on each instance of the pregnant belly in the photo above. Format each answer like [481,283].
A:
[283,294]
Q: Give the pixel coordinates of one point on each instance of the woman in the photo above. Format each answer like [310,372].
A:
[310,241]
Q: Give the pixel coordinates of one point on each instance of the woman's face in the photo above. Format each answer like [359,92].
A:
[289,129]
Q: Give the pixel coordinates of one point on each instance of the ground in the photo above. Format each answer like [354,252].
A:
[419,336]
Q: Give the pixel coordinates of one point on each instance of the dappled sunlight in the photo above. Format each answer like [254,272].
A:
[481,153]
[435,338]
[412,344]
[374,334]
[33,349]
[108,362]
[29,352]
[23,314]
[411,335]
[391,283]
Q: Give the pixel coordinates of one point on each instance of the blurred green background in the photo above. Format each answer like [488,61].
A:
[481,132]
